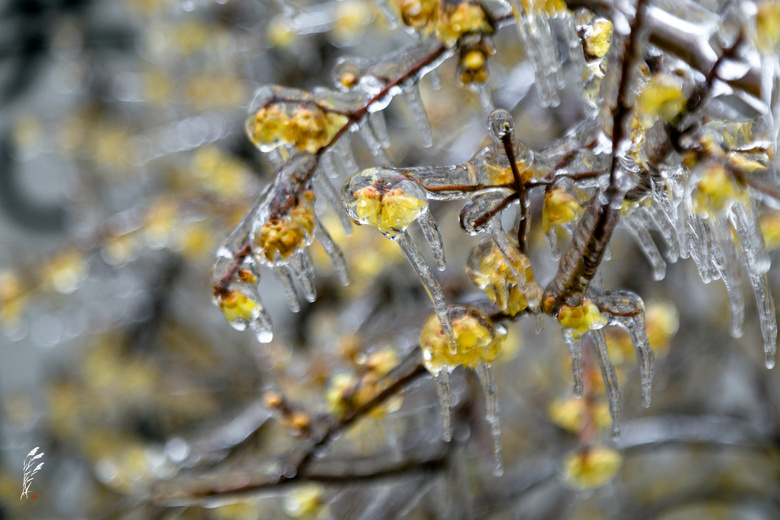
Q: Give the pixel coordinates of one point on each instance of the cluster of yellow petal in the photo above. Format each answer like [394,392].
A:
[582,318]
[449,20]
[309,128]
[306,502]
[572,413]
[592,467]
[715,191]
[768,26]
[347,391]
[474,335]
[662,98]
[489,270]
[283,236]
[560,207]
[238,307]
[391,211]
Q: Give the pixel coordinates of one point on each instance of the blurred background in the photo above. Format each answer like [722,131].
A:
[124,164]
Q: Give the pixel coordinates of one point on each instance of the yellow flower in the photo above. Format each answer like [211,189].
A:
[582,318]
[238,307]
[419,14]
[457,20]
[286,235]
[268,128]
[390,212]
[591,468]
[560,207]
[662,98]
[715,191]
[489,270]
[474,335]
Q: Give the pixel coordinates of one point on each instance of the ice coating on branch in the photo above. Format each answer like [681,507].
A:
[481,209]
[610,378]
[477,346]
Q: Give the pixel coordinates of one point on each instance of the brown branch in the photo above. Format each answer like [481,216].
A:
[199,489]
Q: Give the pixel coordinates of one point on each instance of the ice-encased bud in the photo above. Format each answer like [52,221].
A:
[475,336]
[384,200]
[481,208]
[489,270]
[581,318]
[242,308]
[281,116]
[285,227]
[500,124]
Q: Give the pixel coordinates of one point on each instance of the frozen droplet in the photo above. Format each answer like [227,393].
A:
[500,125]
[575,350]
[431,286]
[432,234]
[411,94]
[610,378]
[488,384]
[334,253]
[444,392]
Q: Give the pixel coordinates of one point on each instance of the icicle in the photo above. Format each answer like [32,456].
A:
[444,392]
[301,265]
[432,234]
[539,323]
[754,254]
[646,244]
[488,383]
[610,379]
[334,253]
[575,350]
[414,102]
[388,13]
[431,285]
[329,165]
[343,150]
[552,239]
[485,96]
[374,146]
[625,309]
[379,126]
[730,274]
[277,157]
[435,76]
[327,190]
[282,273]
[751,240]
[658,216]
[766,317]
